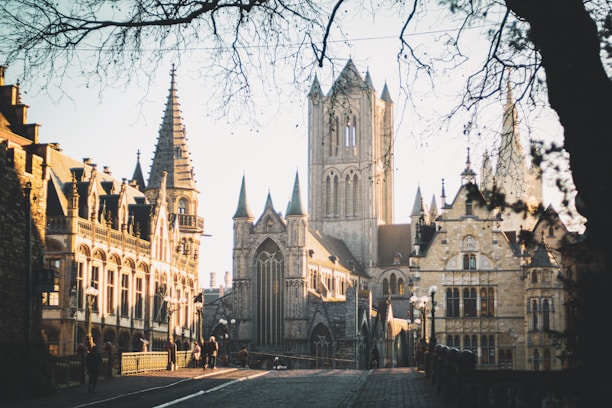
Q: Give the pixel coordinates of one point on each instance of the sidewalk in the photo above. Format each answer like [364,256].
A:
[110,388]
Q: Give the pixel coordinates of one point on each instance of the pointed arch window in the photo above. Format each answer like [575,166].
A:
[348,196]
[400,286]
[334,137]
[270,294]
[183,206]
[385,286]
[350,136]
[393,284]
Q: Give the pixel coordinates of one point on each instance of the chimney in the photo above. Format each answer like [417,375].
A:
[213,281]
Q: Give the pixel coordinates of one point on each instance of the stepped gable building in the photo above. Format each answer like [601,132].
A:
[124,254]
[321,286]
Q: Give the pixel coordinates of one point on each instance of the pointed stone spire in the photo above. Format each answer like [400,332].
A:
[348,80]
[315,88]
[486,173]
[418,204]
[295,206]
[269,204]
[171,153]
[138,178]
[385,96]
[433,209]
[243,210]
[468,175]
[443,195]
[368,81]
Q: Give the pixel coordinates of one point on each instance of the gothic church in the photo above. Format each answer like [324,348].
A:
[321,286]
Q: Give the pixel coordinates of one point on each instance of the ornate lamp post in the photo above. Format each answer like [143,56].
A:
[171,306]
[199,307]
[91,294]
[225,336]
[432,340]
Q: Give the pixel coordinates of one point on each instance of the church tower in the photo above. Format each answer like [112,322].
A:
[351,162]
[513,177]
[172,158]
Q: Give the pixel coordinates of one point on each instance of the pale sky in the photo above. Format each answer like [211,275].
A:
[111,127]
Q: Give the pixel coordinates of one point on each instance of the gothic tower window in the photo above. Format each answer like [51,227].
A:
[331,195]
[334,141]
[385,286]
[546,314]
[400,286]
[270,284]
[348,196]
[182,206]
[350,136]
[534,314]
[393,284]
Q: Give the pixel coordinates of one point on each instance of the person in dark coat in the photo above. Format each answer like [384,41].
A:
[92,363]
[375,357]
[212,347]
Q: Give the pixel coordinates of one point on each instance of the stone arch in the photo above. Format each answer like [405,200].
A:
[321,345]
[123,342]
[269,266]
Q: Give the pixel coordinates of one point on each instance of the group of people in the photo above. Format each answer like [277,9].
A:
[205,355]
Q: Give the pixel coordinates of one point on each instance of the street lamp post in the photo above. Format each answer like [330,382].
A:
[171,304]
[432,341]
[199,306]
[226,336]
[91,294]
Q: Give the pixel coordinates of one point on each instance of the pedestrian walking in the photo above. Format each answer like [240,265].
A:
[196,355]
[211,352]
[375,357]
[243,356]
[92,363]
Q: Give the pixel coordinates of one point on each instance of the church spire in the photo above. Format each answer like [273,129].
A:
[137,177]
[295,206]
[243,210]
[468,175]
[171,153]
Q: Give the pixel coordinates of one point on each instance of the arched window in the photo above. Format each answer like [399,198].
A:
[334,139]
[385,286]
[270,294]
[393,284]
[182,206]
[350,136]
[400,286]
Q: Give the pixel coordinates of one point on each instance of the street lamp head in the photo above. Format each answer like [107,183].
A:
[433,289]
[222,321]
[417,321]
[233,321]
[91,291]
[413,299]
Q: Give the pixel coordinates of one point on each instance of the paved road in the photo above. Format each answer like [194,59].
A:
[191,388]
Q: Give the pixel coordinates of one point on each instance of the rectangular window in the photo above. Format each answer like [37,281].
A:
[469,302]
[505,359]
[452,302]
[110,292]
[125,301]
[80,290]
[488,349]
[52,298]
[139,299]
[487,302]
[470,343]
[95,282]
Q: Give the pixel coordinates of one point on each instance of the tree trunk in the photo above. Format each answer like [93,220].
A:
[581,93]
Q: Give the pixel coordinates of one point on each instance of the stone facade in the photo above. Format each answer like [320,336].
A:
[326,285]
[122,256]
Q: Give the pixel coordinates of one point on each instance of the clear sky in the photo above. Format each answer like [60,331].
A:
[111,126]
